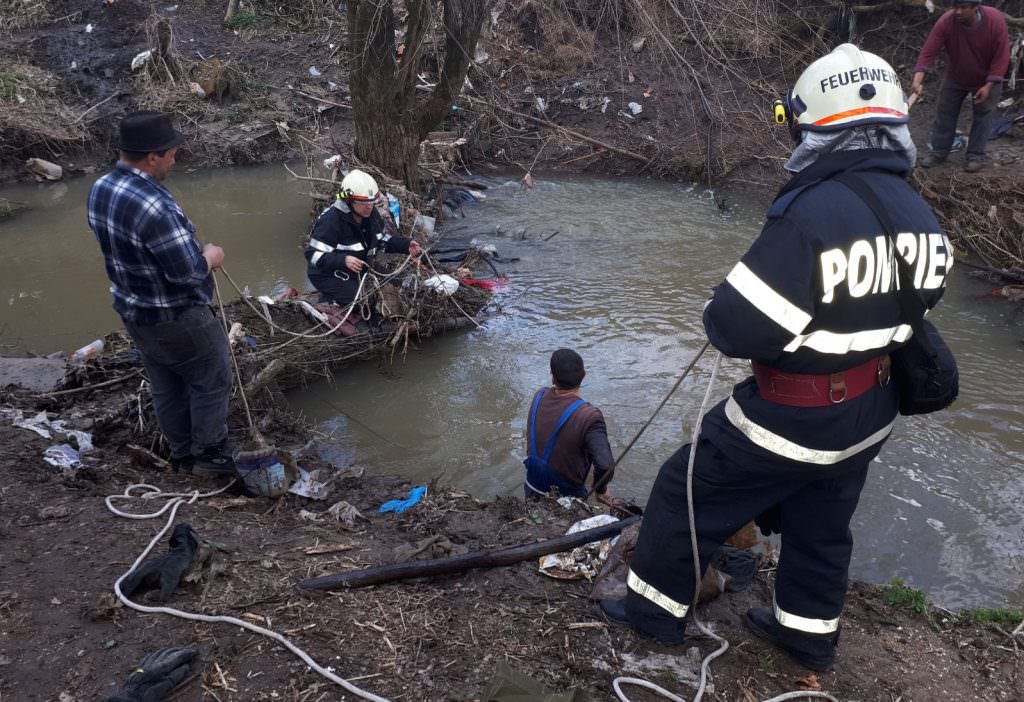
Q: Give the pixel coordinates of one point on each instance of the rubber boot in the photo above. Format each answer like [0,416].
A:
[816,652]
[670,635]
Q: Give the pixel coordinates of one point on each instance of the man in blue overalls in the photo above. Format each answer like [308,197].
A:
[566,435]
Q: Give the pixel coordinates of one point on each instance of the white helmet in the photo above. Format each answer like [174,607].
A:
[846,88]
[359,186]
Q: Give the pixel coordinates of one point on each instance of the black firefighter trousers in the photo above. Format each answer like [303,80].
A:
[816,540]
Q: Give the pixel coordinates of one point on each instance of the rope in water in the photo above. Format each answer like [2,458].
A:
[608,474]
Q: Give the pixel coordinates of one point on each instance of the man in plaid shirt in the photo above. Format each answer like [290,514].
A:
[162,285]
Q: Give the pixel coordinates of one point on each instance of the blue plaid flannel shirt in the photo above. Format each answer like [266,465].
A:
[154,262]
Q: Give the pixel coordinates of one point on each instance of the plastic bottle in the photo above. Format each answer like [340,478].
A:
[87,351]
[396,208]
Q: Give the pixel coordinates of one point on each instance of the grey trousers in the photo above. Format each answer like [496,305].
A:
[190,378]
[951,97]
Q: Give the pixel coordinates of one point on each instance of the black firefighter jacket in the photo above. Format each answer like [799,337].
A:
[336,235]
[815,293]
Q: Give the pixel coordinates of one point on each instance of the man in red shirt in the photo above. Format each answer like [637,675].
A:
[977,44]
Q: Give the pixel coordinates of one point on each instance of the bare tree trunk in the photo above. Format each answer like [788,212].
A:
[391,118]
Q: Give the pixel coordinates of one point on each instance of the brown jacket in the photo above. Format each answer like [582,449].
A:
[582,442]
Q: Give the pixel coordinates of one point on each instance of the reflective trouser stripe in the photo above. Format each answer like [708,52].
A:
[651,593]
[808,626]
[780,445]
[315,258]
[320,246]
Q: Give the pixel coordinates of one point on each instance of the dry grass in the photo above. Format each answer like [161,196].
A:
[32,115]
[16,15]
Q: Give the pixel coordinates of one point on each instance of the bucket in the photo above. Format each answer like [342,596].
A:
[261,471]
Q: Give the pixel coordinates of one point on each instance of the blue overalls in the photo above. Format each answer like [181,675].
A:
[541,477]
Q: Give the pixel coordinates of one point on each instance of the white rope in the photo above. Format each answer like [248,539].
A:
[177,500]
[301,335]
[705,665]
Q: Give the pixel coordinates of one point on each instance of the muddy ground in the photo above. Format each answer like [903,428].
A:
[64,638]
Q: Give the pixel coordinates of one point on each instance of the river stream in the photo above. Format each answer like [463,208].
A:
[623,282]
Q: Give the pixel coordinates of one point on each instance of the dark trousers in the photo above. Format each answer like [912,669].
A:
[189,373]
[339,287]
[947,112]
[816,540]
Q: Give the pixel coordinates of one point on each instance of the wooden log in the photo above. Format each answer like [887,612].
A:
[268,373]
[458,564]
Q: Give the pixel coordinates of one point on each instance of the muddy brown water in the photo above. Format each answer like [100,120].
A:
[623,282]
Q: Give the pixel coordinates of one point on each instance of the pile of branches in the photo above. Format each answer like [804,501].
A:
[298,349]
[729,59]
[279,347]
[981,215]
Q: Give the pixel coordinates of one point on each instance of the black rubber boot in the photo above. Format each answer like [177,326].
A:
[814,652]
[214,462]
[615,612]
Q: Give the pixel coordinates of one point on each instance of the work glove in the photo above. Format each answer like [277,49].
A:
[770,521]
[164,572]
[157,674]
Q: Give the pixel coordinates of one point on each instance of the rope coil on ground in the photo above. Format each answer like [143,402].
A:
[177,500]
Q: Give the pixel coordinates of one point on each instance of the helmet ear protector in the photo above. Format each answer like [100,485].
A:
[785,111]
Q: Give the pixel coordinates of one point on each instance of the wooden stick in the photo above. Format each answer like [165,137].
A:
[148,456]
[84,388]
[101,102]
[459,564]
[320,99]
[315,180]
[269,372]
[570,132]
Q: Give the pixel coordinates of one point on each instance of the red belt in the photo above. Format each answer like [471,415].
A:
[806,390]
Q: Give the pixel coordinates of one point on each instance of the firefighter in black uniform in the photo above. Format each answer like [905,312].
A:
[345,236]
[813,304]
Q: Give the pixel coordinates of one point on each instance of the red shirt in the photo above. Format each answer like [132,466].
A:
[976,55]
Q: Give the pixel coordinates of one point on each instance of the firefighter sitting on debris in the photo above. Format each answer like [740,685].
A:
[345,236]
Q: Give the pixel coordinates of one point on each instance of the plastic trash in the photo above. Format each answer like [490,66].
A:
[87,351]
[415,495]
[141,59]
[313,72]
[636,108]
[442,284]
[44,169]
[424,224]
[395,207]
[62,456]
[89,28]
[333,162]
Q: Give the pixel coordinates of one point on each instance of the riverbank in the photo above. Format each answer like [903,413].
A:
[631,91]
[65,637]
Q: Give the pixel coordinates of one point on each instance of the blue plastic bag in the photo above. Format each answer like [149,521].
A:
[415,495]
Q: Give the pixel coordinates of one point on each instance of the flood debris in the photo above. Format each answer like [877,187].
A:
[43,169]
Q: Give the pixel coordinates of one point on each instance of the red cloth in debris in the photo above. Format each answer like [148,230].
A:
[491,284]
